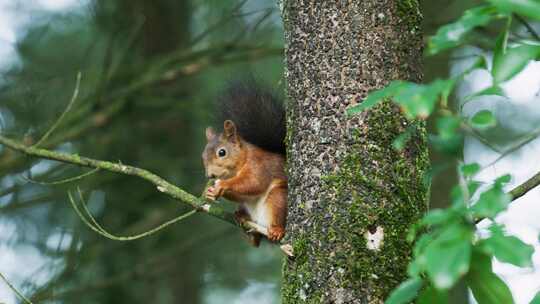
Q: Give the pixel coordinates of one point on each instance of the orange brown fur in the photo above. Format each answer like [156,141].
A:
[248,175]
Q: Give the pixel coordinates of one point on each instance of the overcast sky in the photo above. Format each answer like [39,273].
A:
[520,112]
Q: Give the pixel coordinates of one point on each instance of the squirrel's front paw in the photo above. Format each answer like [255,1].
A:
[276,233]
[214,192]
[211,194]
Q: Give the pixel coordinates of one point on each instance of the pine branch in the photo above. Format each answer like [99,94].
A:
[161,184]
[168,68]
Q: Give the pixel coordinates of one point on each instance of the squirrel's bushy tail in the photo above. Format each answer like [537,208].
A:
[257,112]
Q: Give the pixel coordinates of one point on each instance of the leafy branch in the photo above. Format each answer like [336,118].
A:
[450,249]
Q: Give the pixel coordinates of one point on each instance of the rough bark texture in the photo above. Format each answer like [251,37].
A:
[348,187]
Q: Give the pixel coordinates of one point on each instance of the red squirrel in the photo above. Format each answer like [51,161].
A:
[247,159]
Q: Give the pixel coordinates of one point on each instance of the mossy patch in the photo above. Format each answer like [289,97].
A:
[409,11]
[378,186]
[373,186]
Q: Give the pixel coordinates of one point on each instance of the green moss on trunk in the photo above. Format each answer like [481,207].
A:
[349,189]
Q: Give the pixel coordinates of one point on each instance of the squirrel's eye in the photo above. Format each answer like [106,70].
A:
[222,152]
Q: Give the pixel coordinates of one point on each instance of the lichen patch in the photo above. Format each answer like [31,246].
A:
[374,241]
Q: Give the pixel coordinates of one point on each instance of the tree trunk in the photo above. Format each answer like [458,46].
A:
[352,196]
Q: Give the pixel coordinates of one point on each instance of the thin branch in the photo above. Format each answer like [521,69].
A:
[161,184]
[526,139]
[474,133]
[9,161]
[62,181]
[527,186]
[529,28]
[66,110]
[15,290]
[520,191]
[96,227]
[222,22]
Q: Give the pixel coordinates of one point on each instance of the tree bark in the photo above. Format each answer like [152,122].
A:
[352,196]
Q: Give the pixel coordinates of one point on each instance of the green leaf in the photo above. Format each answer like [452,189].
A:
[447,126]
[405,292]
[503,179]
[527,8]
[437,217]
[420,100]
[493,90]
[472,186]
[470,170]
[422,244]
[479,63]
[491,202]
[457,196]
[483,120]
[508,249]
[416,100]
[377,96]
[449,139]
[452,34]
[447,258]
[536,299]
[513,62]
[446,263]
[451,146]
[486,286]
[417,265]
[501,44]
[402,139]
[431,295]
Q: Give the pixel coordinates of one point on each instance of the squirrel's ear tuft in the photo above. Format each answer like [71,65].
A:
[210,133]
[229,130]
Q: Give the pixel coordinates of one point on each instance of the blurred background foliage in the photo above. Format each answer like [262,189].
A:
[150,72]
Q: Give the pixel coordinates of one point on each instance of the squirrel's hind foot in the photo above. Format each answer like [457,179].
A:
[276,233]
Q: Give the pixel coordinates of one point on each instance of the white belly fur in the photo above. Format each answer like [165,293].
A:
[258,209]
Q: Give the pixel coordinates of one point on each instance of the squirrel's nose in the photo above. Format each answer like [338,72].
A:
[210,175]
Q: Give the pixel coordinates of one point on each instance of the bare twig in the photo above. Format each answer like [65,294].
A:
[59,182]
[474,133]
[224,20]
[96,227]
[527,139]
[15,290]
[66,110]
